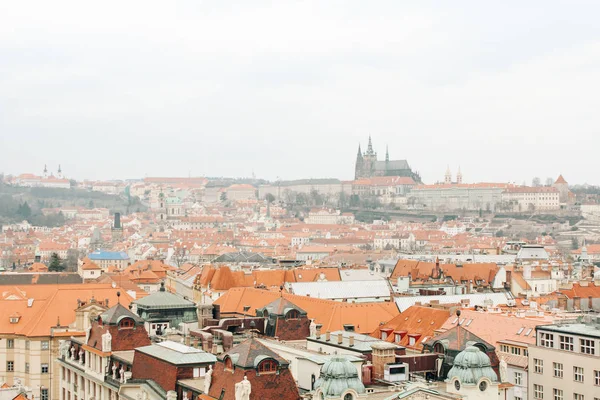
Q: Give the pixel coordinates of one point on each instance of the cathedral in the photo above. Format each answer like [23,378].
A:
[367,165]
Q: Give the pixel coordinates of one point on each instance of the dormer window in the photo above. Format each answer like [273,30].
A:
[267,367]
[126,323]
[228,364]
[14,318]
[292,314]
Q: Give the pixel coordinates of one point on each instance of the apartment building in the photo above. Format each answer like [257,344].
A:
[564,364]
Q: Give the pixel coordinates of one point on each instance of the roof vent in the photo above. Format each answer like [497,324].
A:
[30,302]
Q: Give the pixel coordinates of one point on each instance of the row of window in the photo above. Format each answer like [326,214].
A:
[557,394]
[10,344]
[557,371]
[586,346]
[513,350]
[10,367]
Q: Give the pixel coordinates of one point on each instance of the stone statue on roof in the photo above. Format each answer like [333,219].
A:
[313,328]
[503,370]
[208,379]
[243,389]
[107,342]
[64,348]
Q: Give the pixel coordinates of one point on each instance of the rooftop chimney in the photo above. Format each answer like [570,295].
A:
[340,338]
[351,341]
[327,336]
[318,327]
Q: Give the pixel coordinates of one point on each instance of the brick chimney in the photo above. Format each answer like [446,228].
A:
[577,303]
[562,302]
[351,341]
[590,303]
[327,336]
[318,328]
[382,354]
[340,338]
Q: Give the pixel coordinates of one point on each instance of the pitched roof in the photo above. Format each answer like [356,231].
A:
[333,315]
[415,320]
[280,306]
[560,179]
[250,352]
[493,327]
[117,312]
[177,353]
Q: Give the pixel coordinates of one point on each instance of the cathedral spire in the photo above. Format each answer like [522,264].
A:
[387,153]
[370,147]
[359,151]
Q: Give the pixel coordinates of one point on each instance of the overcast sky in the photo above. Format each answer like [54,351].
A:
[508,90]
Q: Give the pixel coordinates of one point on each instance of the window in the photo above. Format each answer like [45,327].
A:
[45,345]
[504,348]
[126,323]
[578,374]
[292,314]
[538,392]
[566,343]
[267,366]
[412,340]
[538,366]
[577,396]
[10,366]
[44,394]
[518,398]
[597,378]
[26,368]
[383,335]
[228,364]
[44,368]
[27,345]
[515,351]
[546,339]
[397,337]
[558,370]
[587,346]
[518,378]
[558,394]
[10,343]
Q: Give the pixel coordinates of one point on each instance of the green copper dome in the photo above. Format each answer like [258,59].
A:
[470,365]
[338,375]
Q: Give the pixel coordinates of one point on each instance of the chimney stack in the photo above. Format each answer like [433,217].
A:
[577,303]
[340,338]
[351,341]
[318,327]
[590,303]
[327,336]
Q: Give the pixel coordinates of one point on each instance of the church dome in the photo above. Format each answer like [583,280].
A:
[470,365]
[337,376]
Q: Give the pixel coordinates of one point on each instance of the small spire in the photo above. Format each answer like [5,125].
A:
[370,147]
[45,168]
[359,151]
[59,170]
[387,153]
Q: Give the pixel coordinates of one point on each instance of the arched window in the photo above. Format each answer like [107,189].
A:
[267,366]
[292,314]
[126,323]
[228,364]
[438,348]
[348,396]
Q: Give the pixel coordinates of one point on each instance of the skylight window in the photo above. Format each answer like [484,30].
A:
[520,331]
[469,322]
[455,320]
[528,332]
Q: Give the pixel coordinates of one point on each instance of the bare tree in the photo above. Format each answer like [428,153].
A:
[536,182]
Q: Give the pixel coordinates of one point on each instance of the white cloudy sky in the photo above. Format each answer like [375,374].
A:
[508,90]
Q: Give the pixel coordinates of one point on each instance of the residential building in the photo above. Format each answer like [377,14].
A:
[474,197]
[528,199]
[105,259]
[564,363]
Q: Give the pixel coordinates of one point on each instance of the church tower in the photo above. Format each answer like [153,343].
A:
[358,169]
[60,175]
[459,176]
[45,171]
[448,176]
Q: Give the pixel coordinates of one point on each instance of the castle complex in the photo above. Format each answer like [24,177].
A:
[367,165]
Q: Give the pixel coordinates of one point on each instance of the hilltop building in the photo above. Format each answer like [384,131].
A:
[368,166]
